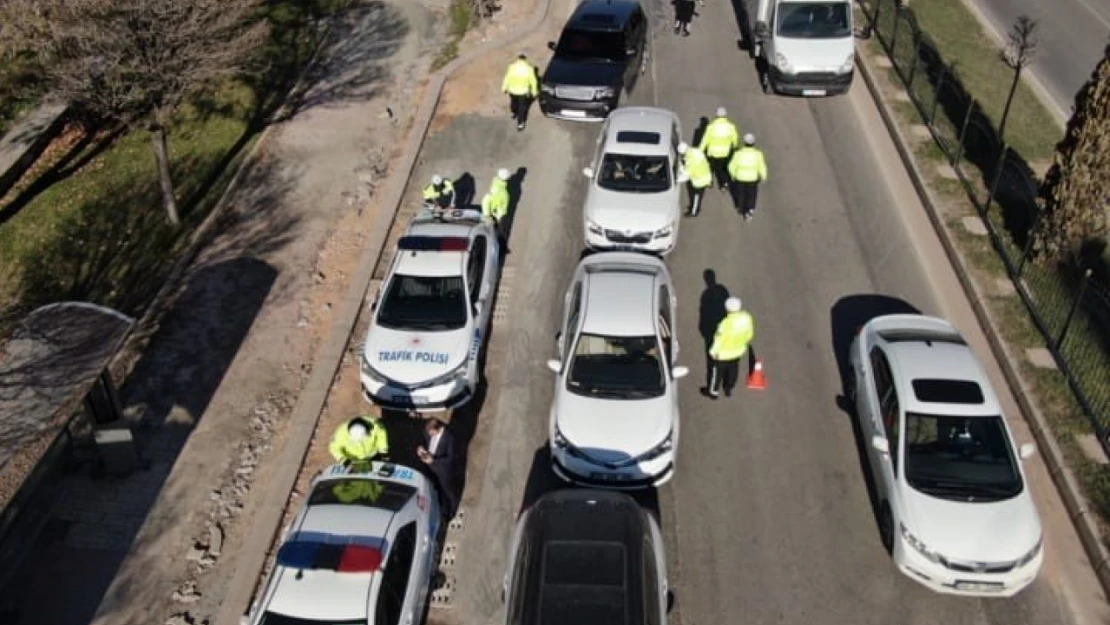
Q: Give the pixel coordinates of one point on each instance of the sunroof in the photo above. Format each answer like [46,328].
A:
[636,136]
[947,391]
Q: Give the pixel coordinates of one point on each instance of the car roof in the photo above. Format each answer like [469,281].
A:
[628,129]
[933,362]
[305,583]
[586,559]
[619,291]
[437,239]
[585,15]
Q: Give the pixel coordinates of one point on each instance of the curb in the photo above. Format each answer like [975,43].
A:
[310,404]
[1066,484]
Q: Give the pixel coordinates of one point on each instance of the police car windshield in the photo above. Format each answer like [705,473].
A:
[813,20]
[594,45]
[635,174]
[960,458]
[616,367]
[273,618]
[424,303]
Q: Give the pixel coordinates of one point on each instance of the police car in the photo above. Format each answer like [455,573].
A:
[431,317]
[361,551]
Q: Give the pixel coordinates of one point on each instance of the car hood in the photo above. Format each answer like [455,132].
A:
[815,55]
[585,73]
[998,531]
[638,212]
[613,430]
[414,357]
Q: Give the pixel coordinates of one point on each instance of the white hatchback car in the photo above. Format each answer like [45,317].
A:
[362,550]
[430,320]
[635,182]
[614,419]
[954,507]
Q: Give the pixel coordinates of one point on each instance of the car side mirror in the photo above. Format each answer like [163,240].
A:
[477,308]
[683,176]
[1027,450]
[680,372]
[880,444]
[588,172]
[555,365]
[550,45]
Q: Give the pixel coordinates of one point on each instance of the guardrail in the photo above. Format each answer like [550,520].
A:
[1069,305]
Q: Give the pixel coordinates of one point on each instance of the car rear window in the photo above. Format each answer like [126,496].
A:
[947,391]
[584,584]
[637,136]
[372,493]
[584,563]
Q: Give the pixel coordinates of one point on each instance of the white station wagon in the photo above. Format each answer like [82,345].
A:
[954,507]
[614,419]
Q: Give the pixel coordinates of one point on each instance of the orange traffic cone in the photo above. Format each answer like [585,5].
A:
[755,378]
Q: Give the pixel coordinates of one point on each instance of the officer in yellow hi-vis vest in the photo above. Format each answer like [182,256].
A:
[351,491]
[359,440]
[495,203]
[523,86]
[696,165]
[747,169]
[718,142]
[440,193]
[730,343]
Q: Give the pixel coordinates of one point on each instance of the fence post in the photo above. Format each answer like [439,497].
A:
[1074,309]
[963,133]
[915,34]
[894,34]
[936,93]
[1028,249]
[997,179]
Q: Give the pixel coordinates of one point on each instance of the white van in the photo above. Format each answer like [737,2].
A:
[806,46]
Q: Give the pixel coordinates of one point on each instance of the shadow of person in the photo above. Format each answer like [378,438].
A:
[711,308]
[465,189]
[699,131]
[516,190]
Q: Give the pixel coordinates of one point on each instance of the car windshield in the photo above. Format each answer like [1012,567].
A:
[424,303]
[616,367]
[960,458]
[635,174]
[813,20]
[273,618]
[591,45]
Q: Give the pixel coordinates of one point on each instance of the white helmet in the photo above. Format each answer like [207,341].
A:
[721,112]
[503,173]
[749,139]
[682,147]
[732,304]
[357,431]
[437,179]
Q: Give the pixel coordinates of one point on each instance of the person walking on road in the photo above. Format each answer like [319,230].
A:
[440,193]
[495,203]
[696,165]
[718,142]
[747,169]
[683,14]
[438,453]
[730,343]
[359,441]
[522,86]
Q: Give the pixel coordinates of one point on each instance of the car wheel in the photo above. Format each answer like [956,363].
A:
[886,528]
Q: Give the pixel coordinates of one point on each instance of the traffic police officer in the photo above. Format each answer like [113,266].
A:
[350,491]
[359,440]
[730,343]
[718,142]
[495,203]
[696,165]
[747,169]
[440,193]
[521,84]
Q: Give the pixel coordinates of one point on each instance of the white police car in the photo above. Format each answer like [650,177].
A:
[431,317]
[361,551]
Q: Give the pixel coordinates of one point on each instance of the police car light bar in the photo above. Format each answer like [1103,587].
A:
[341,558]
[416,243]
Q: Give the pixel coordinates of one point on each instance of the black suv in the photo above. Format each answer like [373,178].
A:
[600,52]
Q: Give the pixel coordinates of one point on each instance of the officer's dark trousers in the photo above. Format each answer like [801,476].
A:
[744,195]
[696,196]
[519,105]
[723,372]
[720,170]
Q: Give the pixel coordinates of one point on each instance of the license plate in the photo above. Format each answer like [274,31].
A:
[573,113]
[610,477]
[813,92]
[979,586]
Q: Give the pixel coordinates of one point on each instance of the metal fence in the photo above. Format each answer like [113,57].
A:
[1070,306]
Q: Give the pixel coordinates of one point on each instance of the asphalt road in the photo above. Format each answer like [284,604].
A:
[768,518]
[1071,33]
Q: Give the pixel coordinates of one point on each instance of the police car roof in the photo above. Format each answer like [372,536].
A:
[640,130]
[434,248]
[586,15]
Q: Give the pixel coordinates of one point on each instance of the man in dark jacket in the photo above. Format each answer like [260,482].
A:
[438,452]
[683,14]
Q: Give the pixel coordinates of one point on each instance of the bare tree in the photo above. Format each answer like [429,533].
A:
[135,60]
[1021,47]
[1077,189]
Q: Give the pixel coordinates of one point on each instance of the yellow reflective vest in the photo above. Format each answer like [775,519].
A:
[734,332]
[720,139]
[376,442]
[432,192]
[350,491]
[748,165]
[495,203]
[520,79]
[697,167]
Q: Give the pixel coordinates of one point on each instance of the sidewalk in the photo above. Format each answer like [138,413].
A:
[212,390]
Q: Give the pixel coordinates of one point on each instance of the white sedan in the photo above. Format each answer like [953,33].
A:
[614,419]
[430,321]
[954,507]
[362,550]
